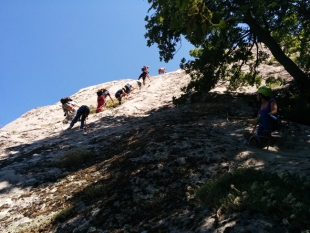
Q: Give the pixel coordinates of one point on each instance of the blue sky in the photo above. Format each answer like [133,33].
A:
[52,48]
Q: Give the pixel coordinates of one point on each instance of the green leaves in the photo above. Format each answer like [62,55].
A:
[181,4]
[283,197]
[222,24]
[226,33]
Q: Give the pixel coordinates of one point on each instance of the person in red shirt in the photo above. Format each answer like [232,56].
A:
[102,95]
[100,102]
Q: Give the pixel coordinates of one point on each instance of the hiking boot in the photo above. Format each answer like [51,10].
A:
[70,127]
[120,102]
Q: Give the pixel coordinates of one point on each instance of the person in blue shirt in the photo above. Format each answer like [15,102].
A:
[268,108]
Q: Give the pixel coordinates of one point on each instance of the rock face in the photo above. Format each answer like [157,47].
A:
[146,158]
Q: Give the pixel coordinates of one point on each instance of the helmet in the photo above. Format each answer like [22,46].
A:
[265,91]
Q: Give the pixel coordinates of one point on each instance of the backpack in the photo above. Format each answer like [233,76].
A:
[65,100]
[127,88]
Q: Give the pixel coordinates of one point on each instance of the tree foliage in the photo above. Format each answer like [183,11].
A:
[226,35]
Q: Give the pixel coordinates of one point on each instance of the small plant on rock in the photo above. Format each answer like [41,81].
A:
[274,82]
[283,197]
[110,104]
[272,61]
[73,158]
[93,191]
[62,215]
[92,109]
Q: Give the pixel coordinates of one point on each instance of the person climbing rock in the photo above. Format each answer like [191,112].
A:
[161,70]
[124,92]
[101,99]
[82,112]
[145,74]
[69,107]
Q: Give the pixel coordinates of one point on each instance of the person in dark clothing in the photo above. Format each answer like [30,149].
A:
[83,112]
[145,74]
[125,91]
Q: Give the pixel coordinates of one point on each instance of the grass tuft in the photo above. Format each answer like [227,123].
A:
[285,197]
[92,109]
[110,104]
[62,215]
[93,192]
[73,158]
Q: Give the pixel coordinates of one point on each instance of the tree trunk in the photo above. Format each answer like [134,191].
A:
[300,77]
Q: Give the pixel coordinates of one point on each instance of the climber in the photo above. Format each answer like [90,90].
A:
[124,92]
[83,112]
[69,107]
[161,70]
[145,74]
[267,112]
[101,100]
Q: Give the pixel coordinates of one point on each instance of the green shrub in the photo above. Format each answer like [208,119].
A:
[110,104]
[285,198]
[73,158]
[273,62]
[92,109]
[62,215]
[93,192]
[297,107]
[180,100]
[275,82]
[241,79]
